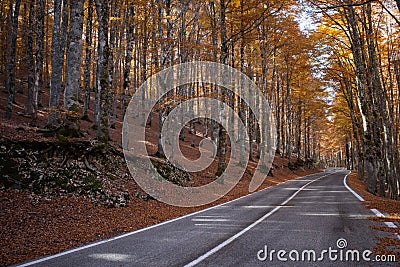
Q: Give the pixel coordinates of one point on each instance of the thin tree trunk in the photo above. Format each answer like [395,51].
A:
[288,114]
[278,116]
[30,55]
[12,47]
[128,58]
[34,101]
[88,59]
[64,37]
[298,132]
[56,66]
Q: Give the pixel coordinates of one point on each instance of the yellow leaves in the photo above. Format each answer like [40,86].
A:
[235,3]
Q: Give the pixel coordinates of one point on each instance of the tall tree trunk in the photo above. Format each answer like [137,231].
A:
[30,55]
[357,127]
[130,39]
[12,47]
[33,101]
[370,153]
[56,66]
[47,57]
[278,116]
[88,59]
[298,130]
[242,106]
[166,58]
[74,59]
[214,42]
[65,36]
[60,30]
[283,119]
[221,149]
[102,77]
[114,60]
[288,113]
[383,129]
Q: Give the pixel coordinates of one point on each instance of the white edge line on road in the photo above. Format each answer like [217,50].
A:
[231,239]
[146,228]
[388,224]
[375,211]
[351,190]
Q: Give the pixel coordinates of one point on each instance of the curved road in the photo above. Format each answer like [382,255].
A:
[310,221]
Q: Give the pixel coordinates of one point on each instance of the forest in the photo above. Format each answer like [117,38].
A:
[330,70]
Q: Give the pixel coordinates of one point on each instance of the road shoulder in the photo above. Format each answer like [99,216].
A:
[386,210]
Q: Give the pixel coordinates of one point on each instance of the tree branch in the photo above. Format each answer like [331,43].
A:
[390,13]
[255,23]
[361,4]
[350,5]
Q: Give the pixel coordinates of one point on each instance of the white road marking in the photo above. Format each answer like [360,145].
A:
[351,190]
[231,239]
[388,224]
[375,211]
[210,220]
[146,228]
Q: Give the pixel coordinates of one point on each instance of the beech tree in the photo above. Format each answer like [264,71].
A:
[73,66]
[12,28]
[103,74]
[33,94]
[59,33]
[88,59]
[367,86]
[342,77]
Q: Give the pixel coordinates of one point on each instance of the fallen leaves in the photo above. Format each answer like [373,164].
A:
[386,245]
[34,226]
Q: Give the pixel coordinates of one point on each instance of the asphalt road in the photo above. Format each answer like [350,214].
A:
[290,221]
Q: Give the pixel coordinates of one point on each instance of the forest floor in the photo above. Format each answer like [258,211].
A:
[386,245]
[34,226]
[41,216]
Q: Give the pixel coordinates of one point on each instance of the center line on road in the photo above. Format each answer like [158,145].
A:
[222,205]
[231,239]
